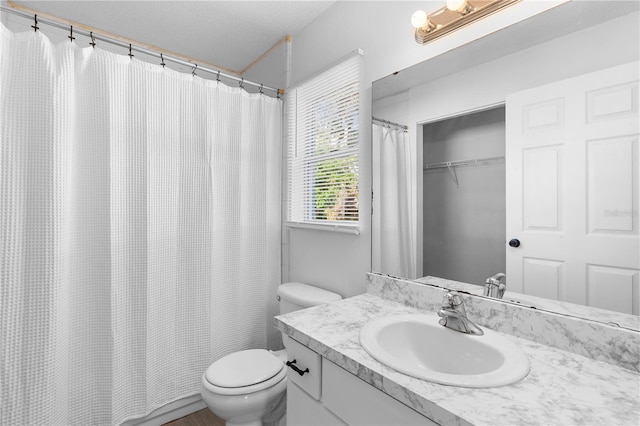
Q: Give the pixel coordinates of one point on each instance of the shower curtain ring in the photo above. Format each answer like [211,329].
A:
[193,72]
[130,54]
[218,78]
[242,83]
[261,86]
[35,25]
[93,40]
[162,60]
[70,36]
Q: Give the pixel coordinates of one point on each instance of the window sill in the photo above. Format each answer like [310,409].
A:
[345,229]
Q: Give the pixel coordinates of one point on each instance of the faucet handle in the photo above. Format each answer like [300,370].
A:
[496,279]
[452,299]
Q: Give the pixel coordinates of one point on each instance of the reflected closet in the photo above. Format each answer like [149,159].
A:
[464,196]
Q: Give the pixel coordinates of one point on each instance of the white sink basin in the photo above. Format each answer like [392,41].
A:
[417,345]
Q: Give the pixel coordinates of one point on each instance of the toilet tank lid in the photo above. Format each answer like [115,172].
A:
[306,295]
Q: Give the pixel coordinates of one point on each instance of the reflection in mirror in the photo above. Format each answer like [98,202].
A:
[464,193]
[529,136]
[393,250]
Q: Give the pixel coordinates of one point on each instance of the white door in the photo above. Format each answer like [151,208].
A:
[572,190]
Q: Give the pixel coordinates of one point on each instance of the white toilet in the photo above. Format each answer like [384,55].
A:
[245,387]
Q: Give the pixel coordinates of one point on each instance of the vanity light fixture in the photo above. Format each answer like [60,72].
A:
[456,14]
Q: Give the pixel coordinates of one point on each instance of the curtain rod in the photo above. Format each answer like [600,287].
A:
[391,123]
[131,45]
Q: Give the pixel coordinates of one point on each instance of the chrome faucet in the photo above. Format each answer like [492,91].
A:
[454,316]
[495,286]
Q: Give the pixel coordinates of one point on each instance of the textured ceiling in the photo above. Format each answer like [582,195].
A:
[229,34]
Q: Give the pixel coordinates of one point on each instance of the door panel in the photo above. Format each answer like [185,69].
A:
[612,102]
[544,115]
[546,275]
[609,288]
[609,188]
[542,171]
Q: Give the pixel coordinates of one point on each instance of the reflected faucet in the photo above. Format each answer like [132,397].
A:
[495,286]
[453,315]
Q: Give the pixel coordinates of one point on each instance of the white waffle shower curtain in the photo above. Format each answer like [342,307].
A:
[393,221]
[139,231]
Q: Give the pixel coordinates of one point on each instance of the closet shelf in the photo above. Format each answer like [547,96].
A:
[449,164]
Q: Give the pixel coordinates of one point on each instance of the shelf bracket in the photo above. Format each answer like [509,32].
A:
[452,169]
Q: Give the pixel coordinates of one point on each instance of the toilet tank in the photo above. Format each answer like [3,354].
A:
[294,296]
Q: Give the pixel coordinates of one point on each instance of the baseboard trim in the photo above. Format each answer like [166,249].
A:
[170,412]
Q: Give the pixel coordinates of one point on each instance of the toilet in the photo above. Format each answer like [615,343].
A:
[248,387]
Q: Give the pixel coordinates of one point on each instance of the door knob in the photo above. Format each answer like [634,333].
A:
[514,242]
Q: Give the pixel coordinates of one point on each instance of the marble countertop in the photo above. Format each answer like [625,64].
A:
[561,388]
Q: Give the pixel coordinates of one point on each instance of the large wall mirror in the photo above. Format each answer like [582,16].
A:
[518,154]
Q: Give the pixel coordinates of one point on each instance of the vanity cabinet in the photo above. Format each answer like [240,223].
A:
[330,395]
[302,409]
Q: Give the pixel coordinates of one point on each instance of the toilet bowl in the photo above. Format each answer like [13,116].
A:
[249,387]
[244,386]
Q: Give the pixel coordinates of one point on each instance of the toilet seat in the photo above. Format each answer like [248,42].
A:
[245,372]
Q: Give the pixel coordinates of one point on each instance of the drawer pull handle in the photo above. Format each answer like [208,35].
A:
[296,369]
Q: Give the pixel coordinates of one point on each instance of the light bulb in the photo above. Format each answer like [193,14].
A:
[419,18]
[457,5]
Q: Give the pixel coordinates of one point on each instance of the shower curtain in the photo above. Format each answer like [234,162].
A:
[393,221]
[139,231]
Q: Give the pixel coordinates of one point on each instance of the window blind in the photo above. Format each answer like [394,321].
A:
[323,116]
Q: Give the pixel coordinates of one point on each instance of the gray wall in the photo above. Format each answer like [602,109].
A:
[464,226]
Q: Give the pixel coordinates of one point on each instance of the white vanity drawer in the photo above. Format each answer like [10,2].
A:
[304,359]
[358,403]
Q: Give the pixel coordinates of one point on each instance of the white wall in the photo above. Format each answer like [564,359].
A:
[339,262]
[272,70]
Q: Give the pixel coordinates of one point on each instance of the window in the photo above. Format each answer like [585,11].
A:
[323,116]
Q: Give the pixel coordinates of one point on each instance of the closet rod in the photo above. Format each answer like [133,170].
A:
[131,45]
[391,123]
[449,164]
